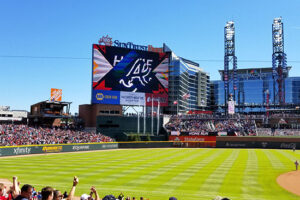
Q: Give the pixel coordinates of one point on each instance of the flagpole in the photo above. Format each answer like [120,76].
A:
[158,111]
[145,118]
[138,121]
[152,117]
[177,106]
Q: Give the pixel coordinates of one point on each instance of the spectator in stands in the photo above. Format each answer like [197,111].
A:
[57,195]
[47,193]
[11,135]
[109,197]
[26,193]
[94,191]
[4,195]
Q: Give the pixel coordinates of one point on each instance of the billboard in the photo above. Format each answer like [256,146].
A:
[133,73]
[56,94]
[106,97]
[231,107]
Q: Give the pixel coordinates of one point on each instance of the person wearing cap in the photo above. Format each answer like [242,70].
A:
[90,197]
[84,197]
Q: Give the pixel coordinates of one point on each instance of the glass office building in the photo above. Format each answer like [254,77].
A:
[188,86]
[255,91]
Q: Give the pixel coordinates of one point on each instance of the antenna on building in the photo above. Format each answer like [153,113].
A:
[279,65]
[229,58]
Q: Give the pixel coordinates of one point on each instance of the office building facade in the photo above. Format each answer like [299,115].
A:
[188,86]
[255,91]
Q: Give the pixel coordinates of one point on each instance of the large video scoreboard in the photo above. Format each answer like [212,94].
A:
[129,77]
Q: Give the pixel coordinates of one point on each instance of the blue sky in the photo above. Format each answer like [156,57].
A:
[35,30]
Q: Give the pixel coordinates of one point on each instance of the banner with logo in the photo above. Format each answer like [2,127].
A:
[231,107]
[192,138]
[56,94]
[39,149]
[161,98]
[106,97]
[132,98]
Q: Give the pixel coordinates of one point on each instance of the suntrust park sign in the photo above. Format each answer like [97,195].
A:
[106,40]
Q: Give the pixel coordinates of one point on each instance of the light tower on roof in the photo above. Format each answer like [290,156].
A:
[230,59]
[279,65]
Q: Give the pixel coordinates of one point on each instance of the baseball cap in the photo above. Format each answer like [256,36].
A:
[172,198]
[84,197]
[109,197]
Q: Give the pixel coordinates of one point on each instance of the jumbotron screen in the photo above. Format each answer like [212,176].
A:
[129,77]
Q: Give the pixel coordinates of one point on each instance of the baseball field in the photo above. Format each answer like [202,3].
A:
[202,174]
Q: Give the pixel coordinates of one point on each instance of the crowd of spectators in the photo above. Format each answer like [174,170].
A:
[204,126]
[28,192]
[277,132]
[11,135]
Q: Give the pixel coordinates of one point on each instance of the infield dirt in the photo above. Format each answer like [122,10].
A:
[290,181]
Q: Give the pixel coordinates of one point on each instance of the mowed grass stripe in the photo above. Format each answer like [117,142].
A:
[217,173]
[234,166]
[159,168]
[292,156]
[173,167]
[180,171]
[135,172]
[128,165]
[251,188]
[54,172]
[196,181]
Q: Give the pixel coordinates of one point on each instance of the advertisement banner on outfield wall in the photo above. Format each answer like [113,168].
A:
[192,138]
[258,144]
[39,149]
[132,98]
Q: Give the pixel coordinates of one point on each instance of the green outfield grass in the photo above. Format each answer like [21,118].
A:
[157,174]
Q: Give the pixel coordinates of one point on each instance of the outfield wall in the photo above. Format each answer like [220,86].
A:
[258,142]
[220,142]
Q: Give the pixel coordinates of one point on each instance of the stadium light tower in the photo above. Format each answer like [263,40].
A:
[230,58]
[279,66]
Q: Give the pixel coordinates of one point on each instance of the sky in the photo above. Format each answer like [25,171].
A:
[48,44]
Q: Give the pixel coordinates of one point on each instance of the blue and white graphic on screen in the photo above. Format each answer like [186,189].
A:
[120,69]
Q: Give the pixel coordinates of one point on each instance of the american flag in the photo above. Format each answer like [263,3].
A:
[186,96]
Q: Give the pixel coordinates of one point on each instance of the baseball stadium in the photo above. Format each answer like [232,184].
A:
[158,128]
